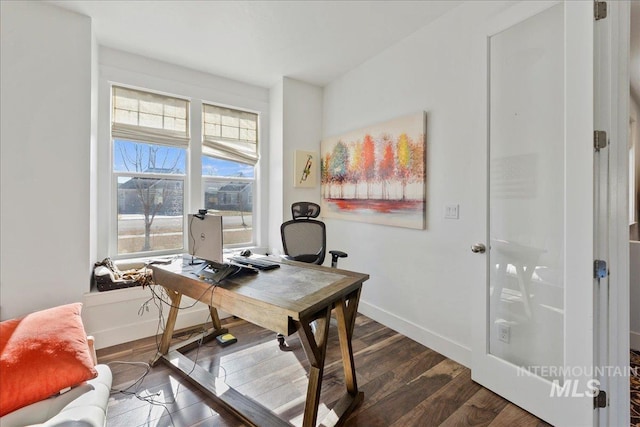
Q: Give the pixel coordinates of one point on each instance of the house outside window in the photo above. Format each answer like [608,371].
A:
[230,153]
[150,135]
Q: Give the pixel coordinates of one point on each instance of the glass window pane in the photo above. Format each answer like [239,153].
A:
[226,168]
[129,156]
[234,201]
[150,214]
[526,203]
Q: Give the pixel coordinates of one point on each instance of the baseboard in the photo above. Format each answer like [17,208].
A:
[123,333]
[434,341]
[634,341]
[124,315]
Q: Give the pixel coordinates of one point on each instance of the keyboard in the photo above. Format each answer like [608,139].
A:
[258,263]
[216,272]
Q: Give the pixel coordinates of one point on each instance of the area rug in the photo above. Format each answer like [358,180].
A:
[635,388]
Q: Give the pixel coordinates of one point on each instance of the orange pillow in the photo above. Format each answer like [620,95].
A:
[41,354]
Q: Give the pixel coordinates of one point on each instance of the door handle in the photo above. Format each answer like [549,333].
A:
[478,248]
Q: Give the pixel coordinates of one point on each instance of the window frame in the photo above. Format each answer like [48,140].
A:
[255,164]
[193,178]
[112,248]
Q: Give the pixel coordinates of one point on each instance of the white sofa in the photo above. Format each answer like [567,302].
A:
[82,406]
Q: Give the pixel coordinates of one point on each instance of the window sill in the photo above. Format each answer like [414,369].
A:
[96,298]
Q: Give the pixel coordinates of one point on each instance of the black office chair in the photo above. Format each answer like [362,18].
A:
[305,240]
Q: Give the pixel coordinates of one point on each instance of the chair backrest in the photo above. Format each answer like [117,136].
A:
[304,239]
[305,210]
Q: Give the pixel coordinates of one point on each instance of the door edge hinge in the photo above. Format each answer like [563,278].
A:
[600,10]
[600,270]
[600,400]
[599,139]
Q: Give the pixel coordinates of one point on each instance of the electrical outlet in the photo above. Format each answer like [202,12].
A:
[451,211]
[504,333]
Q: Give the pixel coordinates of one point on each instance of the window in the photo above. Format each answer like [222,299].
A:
[230,152]
[150,134]
[151,150]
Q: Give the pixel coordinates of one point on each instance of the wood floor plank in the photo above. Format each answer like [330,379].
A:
[479,411]
[404,383]
[439,406]
[234,401]
[396,404]
[513,415]
[388,382]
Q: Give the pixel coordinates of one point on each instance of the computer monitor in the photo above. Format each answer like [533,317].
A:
[205,237]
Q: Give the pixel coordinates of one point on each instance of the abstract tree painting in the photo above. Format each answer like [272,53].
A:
[377,174]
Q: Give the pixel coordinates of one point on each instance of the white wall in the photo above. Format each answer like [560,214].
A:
[46,118]
[112,317]
[276,182]
[296,109]
[421,279]
[302,131]
[134,70]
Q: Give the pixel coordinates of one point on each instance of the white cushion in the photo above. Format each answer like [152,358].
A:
[84,405]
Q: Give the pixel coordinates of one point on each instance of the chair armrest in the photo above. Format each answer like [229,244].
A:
[334,257]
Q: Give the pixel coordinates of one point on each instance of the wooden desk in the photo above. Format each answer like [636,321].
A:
[284,300]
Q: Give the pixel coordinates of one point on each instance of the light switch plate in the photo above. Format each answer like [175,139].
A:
[452,211]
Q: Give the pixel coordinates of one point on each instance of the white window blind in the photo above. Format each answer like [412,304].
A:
[150,117]
[230,134]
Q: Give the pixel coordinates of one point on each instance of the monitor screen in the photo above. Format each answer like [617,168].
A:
[205,237]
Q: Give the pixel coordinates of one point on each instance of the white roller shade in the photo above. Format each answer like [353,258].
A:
[150,117]
[230,134]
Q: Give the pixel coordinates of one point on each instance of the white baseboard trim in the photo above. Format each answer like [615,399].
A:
[634,341]
[113,317]
[434,341]
[144,328]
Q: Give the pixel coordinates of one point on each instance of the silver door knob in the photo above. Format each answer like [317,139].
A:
[478,248]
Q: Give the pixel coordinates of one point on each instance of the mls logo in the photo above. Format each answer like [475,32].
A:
[571,388]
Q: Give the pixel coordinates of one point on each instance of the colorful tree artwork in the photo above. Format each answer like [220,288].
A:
[377,174]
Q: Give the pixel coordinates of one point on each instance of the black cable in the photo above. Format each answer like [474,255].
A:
[192,237]
[170,304]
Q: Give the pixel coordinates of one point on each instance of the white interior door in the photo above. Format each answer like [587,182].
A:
[533,336]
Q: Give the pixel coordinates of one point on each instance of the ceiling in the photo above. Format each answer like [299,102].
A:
[258,42]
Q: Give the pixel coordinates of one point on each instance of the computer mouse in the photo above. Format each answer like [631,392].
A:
[245,252]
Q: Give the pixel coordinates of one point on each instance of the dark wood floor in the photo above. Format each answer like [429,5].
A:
[405,384]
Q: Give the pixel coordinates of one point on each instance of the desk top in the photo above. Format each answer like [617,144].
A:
[271,299]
